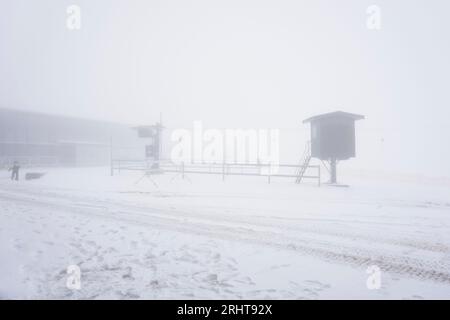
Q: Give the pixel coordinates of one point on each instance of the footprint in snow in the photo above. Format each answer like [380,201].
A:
[279,266]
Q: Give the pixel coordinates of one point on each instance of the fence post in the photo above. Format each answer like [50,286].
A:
[111,157]
[318,178]
[182,170]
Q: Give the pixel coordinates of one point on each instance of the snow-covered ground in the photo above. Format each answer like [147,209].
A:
[204,238]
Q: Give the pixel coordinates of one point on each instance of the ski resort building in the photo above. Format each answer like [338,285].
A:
[36,139]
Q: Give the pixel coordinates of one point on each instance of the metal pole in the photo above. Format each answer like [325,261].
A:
[111,157]
[182,170]
[160,138]
[333,170]
[318,169]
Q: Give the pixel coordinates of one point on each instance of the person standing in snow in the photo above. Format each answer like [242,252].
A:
[15,171]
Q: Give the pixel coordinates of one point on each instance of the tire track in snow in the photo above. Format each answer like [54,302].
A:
[342,253]
[256,221]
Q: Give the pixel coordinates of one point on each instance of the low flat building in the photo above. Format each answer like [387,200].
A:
[36,139]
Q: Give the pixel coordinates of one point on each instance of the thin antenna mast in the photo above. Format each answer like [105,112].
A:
[160,135]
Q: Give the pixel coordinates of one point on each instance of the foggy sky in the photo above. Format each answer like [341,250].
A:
[242,64]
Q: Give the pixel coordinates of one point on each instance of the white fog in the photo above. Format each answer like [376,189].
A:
[80,79]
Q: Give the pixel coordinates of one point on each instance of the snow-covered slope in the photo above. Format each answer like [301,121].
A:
[205,238]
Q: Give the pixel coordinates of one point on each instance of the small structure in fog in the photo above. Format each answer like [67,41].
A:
[333,138]
[153,133]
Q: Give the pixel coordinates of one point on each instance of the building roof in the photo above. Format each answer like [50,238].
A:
[146,127]
[335,114]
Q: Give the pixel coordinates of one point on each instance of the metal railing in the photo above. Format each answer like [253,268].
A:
[215,168]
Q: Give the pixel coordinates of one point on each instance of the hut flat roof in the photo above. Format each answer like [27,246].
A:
[335,114]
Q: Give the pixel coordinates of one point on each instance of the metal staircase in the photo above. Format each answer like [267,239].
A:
[304,162]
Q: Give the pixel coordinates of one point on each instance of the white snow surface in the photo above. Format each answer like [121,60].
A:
[204,238]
